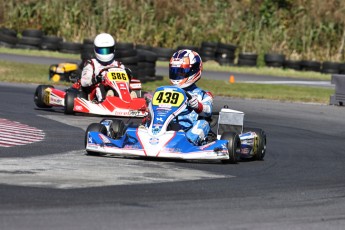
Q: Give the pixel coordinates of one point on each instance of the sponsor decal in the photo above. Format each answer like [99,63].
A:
[172,150]
[160,119]
[104,139]
[207,145]
[78,107]
[154,141]
[133,113]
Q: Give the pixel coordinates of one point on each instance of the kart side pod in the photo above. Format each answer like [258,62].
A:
[230,121]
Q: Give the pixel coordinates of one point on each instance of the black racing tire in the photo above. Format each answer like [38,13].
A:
[70,47]
[311,66]
[33,33]
[246,62]
[261,151]
[39,96]
[118,128]
[69,100]
[124,46]
[95,127]
[8,38]
[125,53]
[32,41]
[330,67]
[188,47]
[291,64]
[146,56]
[234,145]
[222,47]
[248,56]
[9,32]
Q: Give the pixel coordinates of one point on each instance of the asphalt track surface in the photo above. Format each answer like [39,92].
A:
[53,184]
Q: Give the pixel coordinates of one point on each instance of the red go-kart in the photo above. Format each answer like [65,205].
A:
[123,96]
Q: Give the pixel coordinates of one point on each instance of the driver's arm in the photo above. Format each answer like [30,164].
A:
[207,104]
[87,74]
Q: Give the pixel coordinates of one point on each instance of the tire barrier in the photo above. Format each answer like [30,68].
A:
[291,64]
[330,67]
[8,37]
[311,66]
[225,54]
[247,59]
[339,97]
[274,60]
[30,39]
[70,47]
[50,43]
[208,51]
[163,54]
[132,55]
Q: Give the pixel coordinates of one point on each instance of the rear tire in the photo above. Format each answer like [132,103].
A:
[234,145]
[39,96]
[261,151]
[69,100]
[95,127]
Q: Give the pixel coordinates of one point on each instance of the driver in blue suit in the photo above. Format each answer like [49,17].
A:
[185,69]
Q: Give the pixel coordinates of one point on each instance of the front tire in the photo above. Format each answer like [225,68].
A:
[261,146]
[69,100]
[94,127]
[234,146]
[39,96]
[118,127]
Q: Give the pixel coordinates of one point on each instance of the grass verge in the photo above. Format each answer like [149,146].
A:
[38,73]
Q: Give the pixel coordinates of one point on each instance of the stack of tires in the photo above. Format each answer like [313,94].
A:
[8,37]
[127,55]
[225,54]
[70,47]
[87,51]
[247,59]
[50,43]
[292,64]
[311,66]
[274,60]
[194,48]
[208,51]
[30,39]
[330,67]
[146,65]
[163,54]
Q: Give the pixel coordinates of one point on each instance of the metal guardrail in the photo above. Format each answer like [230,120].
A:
[339,97]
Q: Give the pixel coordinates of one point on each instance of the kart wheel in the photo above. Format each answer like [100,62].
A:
[234,145]
[39,96]
[69,100]
[95,127]
[261,151]
[118,128]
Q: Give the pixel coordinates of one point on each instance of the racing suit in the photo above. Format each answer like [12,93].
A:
[196,130]
[90,77]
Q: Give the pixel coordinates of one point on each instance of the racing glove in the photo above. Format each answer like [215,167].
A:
[97,79]
[195,104]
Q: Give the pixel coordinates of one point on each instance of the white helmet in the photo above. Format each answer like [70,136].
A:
[104,47]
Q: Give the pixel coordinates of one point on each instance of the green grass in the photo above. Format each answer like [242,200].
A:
[259,91]
[38,73]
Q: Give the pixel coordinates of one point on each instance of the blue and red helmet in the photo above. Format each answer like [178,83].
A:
[185,68]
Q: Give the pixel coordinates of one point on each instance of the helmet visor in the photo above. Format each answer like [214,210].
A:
[104,50]
[177,73]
